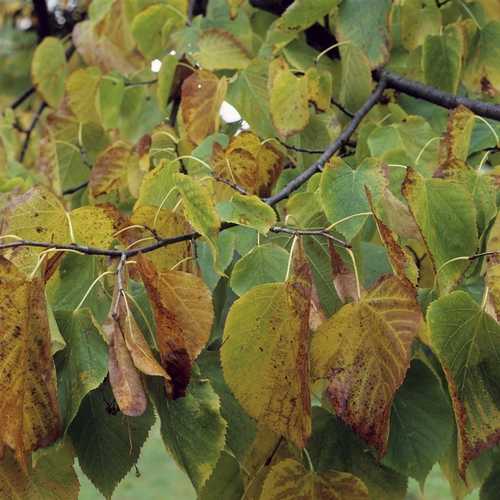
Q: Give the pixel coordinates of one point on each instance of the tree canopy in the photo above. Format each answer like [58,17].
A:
[269,225]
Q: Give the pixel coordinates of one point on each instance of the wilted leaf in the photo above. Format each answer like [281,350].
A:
[202,97]
[183,310]
[456,142]
[29,414]
[467,342]
[344,278]
[49,70]
[289,480]
[364,352]
[265,354]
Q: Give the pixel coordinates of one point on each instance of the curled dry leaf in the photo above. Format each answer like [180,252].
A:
[184,314]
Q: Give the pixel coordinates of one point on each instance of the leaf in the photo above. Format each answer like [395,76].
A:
[289,480]
[418,20]
[356,79]
[421,424]
[369,31]
[364,352]
[443,209]
[49,70]
[124,379]
[264,354]
[219,49]
[199,210]
[248,211]
[110,169]
[493,266]
[342,193]
[107,444]
[225,481]
[29,414]
[82,87]
[442,59]
[53,477]
[344,278]
[288,99]
[82,365]
[94,226]
[157,187]
[456,142]
[166,80]
[192,429]
[248,93]
[319,85]
[109,99]
[201,98]
[183,311]
[467,343]
[263,264]
[334,446]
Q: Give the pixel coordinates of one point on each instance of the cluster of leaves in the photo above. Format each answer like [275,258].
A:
[303,325]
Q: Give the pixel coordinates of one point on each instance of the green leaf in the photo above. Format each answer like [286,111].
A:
[200,211]
[356,78]
[241,429]
[442,59]
[83,364]
[166,80]
[289,480]
[49,70]
[263,264]
[107,444]
[421,424]
[157,187]
[446,217]
[249,95]
[109,100]
[192,428]
[490,488]
[342,193]
[366,25]
[418,20]
[225,482]
[467,342]
[82,87]
[248,211]
[334,446]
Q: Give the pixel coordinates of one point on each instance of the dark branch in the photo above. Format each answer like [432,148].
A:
[26,142]
[431,94]
[344,110]
[42,17]
[23,97]
[75,189]
[342,139]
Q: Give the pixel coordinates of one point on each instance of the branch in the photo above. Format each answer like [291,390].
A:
[342,139]
[26,142]
[43,18]
[75,189]
[439,97]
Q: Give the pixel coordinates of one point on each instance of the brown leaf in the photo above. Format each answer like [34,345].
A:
[29,412]
[201,98]
[183,310]
[344,279]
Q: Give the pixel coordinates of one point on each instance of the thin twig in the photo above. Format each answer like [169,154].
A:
[332,149]
[25,145]
[231,184]
[344,110]
[310,232]
[75,189]
[131,83]
[439,97]
[300,150]
[23,97]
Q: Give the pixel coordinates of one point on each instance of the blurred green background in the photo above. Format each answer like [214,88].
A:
[159,478]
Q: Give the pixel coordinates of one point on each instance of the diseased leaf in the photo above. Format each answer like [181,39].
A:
[82,365]
[289,480]
[107,444]
[344,278]
[49,70]
[443,209]
[183,310]
[456,142]
[364,352]
[467,342]
[264,354]
[288,99]
[202,97]
[29,414]
[248,211]
[192,429]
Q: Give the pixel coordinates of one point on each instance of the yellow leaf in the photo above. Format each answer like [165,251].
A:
[319,85]
[264,354]
[82,87]
[184,314]
[29,412]
[201,98]
[364,352]
[288,99]
[93,226]
[289,480]
[493,266]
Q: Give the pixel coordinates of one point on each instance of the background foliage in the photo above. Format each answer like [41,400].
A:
[305,299]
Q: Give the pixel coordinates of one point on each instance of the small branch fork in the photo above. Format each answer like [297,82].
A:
[385,80]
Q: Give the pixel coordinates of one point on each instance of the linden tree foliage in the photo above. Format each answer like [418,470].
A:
[271,226]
